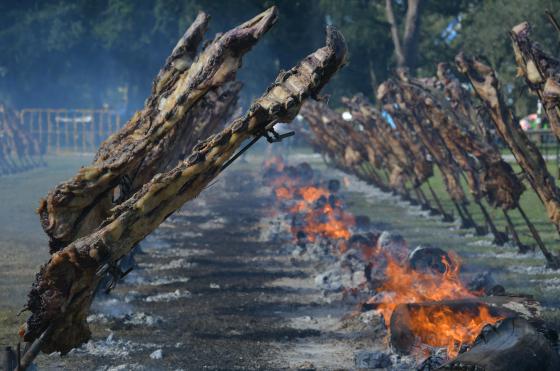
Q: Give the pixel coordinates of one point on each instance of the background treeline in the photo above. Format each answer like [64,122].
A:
[94,53]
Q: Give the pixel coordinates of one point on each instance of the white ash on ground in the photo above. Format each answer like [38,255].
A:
[169,296]
[356,260]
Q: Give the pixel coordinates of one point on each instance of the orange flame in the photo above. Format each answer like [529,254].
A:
[443,326]
[312,194]
[438,326]
[309,195]
[405,285]
[283,193]
[328,222]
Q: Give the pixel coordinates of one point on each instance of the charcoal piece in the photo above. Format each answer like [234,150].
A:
[320,203]
[359,239]
[362,221]
[483,282]
[434,361]
[393,244]
[333,201]
[333,185]
[305,172]
[429,259]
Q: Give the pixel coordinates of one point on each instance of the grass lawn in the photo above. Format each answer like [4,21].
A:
[519,273]
[530,203]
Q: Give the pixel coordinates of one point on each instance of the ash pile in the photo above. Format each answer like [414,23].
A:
[434,316]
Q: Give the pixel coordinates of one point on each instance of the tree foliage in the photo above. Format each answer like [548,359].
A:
[484,31]
[90,53]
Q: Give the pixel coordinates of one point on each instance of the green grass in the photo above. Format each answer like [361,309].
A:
[529,202]
[476,252]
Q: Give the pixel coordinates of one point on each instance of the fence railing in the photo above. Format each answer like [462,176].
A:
[70,130]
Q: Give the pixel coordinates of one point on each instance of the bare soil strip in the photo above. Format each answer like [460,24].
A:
[209,295]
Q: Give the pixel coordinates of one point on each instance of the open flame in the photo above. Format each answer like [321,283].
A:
[329,222]
[323,215]
[322,211]
[405,285]
[436,326]
[450,328]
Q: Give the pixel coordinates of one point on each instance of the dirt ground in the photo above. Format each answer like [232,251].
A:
[209,292]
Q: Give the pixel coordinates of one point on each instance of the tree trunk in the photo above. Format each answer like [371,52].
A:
[411,33]
[406,51]
[399,53]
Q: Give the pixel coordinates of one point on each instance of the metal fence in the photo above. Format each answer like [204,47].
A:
[70,130]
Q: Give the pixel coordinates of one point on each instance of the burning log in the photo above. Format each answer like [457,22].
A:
[164,129]
[511,345]
[427,307]
[450,324]
[456,324]
[486,85]
[63,291]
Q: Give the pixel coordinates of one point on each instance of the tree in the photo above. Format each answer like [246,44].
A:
[484,31]
[406,50]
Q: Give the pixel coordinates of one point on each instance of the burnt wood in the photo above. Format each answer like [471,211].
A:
[512,345]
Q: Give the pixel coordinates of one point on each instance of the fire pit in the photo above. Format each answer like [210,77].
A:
[430,313]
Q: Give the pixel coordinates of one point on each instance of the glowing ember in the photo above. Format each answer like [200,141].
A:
[283,193]
[312,194]
[328,222]
[309,196]
[320,213]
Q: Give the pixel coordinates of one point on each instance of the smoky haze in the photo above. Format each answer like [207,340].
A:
[64,55]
